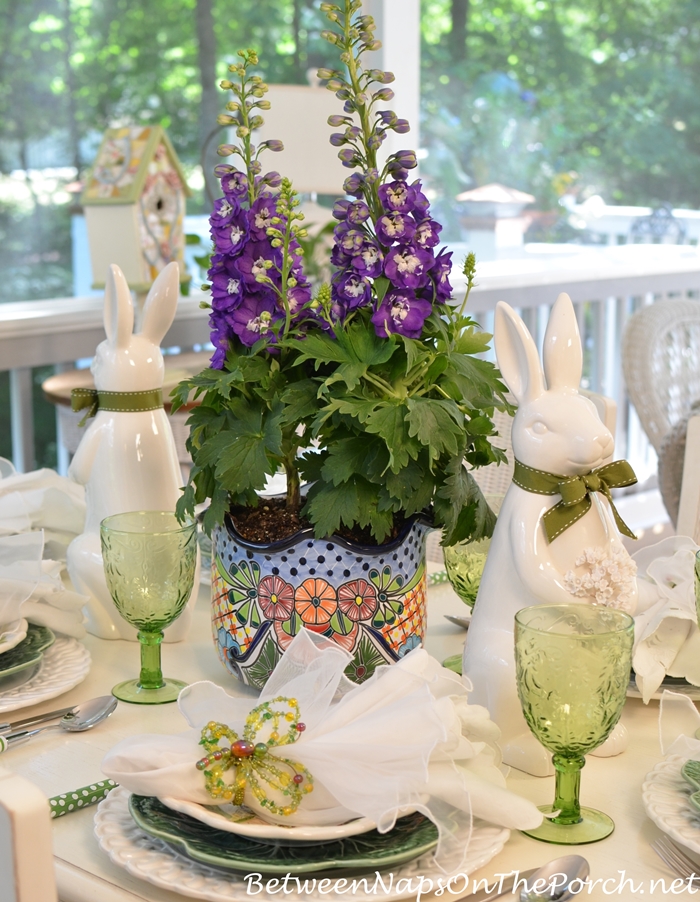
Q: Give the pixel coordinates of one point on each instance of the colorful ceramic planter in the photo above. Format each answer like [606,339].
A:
[371,600]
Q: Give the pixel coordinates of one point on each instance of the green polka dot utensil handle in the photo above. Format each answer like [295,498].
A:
[80,798]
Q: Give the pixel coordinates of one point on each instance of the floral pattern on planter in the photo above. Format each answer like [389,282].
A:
[371,601]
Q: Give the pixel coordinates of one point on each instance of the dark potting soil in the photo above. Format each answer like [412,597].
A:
[270,521]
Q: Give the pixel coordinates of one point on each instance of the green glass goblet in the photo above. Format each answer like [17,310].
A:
[572,669]
[149,559]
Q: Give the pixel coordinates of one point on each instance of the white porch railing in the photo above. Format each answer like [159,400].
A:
[606,285]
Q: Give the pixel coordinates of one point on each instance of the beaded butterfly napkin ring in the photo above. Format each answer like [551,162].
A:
[253,764]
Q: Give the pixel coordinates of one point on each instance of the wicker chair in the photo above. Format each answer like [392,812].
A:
[661,364]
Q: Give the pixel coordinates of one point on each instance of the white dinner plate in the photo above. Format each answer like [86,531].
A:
[665,795]
[12,634]
[693,692]
[222,818]
[152,860]
[65,664]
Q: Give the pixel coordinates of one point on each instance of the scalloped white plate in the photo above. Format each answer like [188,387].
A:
[62,667]
[221,818]
[152,860]
[13,634]
[665,795]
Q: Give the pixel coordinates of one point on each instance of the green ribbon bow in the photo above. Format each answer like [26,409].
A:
[122,401]
[575,493]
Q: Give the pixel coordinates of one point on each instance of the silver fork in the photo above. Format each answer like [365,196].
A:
[677,860]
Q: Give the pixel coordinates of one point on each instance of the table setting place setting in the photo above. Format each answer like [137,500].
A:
[333,755]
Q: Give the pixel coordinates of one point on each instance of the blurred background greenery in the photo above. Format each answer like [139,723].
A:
[548,96]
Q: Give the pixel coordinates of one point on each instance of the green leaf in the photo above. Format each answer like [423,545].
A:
[320,349]
[436,425]
[473,341]
[345,458]
[389,421]
[328,506]
[381,286]
[300,401]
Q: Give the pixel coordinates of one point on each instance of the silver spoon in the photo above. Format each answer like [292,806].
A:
[82,717]
[551,882]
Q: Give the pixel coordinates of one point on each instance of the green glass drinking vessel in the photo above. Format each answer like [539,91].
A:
[572,668]
[149,560]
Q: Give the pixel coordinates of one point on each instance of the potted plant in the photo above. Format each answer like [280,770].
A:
[372,389]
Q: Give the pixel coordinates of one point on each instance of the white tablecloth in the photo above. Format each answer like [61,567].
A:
[61,762]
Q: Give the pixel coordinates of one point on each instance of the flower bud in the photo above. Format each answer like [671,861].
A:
[361,99]
[273,179]
[226,84]
[330,36]
[348,157]
[383,94]
[233,105]
[325,74]
[276,242]
[263,105]
[223,169]
[373,45]
[255,167]
[223,119]
[256,121]
[384,78]
[401,126]
[273,144]
[335,84]
[337,139]
[242,131]
[292,282]
[336,121]
[225,150]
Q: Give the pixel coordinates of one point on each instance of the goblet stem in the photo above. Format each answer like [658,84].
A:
[567,785]
[151,676]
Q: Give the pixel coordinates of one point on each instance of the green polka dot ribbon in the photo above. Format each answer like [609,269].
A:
[575,492]
[80,798]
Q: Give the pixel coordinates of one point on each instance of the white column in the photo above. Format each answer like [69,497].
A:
[398,28]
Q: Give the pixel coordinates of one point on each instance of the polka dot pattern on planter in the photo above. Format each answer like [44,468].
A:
[369,600]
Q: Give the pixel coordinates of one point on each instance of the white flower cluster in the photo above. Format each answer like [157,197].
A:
[608,578]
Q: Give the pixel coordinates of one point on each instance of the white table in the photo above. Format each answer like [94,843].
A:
[62,762]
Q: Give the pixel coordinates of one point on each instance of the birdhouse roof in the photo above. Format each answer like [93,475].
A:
[123,161]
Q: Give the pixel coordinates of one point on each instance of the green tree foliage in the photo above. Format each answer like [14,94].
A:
[534,90]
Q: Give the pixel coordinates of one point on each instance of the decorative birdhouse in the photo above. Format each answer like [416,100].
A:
[134,205]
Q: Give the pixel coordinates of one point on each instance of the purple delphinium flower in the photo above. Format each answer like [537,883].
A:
[254,318]
[393,227]
[421,204]
[358,213]
[440,273]
[252,261]
[427,233]
[220,338]
[407,266]
[369,261]
[226,288]
[397,197]
[401,312]
[231,238]
[235,185]
[340,209]
[260,216]
[299,296]
[225,208]
[351,290]
[349,240]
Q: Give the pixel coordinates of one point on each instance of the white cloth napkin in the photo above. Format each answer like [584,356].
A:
[666,635]
[33,588]
[40,515]
[406,738]
[678,722]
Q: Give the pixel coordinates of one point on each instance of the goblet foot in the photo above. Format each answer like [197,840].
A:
[593,826]
[132,691]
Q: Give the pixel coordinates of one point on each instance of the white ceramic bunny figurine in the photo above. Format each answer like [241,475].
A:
[556,430]
[127,459]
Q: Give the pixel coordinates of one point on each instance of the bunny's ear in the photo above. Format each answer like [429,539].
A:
[563,357]
[161,304]
[118,309]
[517,355]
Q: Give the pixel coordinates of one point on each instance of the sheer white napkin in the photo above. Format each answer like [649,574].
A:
[31,587]
[40,515]
[667,639]
[406,738]
[678,722]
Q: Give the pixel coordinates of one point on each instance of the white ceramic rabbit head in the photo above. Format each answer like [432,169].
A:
[555,429]
[128,362]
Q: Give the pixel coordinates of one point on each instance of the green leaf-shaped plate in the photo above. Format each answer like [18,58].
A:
[413,836]
[691,774]
[28,652]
